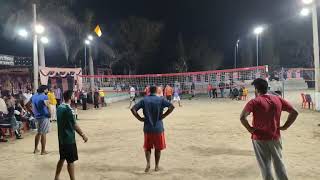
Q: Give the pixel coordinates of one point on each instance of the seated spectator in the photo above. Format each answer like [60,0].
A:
[26,97]
[3,110]
[16,125]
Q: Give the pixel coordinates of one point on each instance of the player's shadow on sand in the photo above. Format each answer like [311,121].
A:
[210,151]
[112,168]
[135,170]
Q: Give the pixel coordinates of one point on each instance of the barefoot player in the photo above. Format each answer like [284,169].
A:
[67,142]
[153,126]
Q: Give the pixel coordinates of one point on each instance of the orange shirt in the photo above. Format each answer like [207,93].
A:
[168,91]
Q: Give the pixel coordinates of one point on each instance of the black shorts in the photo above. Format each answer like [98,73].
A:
[169,98]
[68,152]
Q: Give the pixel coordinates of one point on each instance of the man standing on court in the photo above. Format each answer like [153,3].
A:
[265,129]
[168,92]
[132,95]
[154,137]
[41,113]
[52,105]
[66,134]
[58,95]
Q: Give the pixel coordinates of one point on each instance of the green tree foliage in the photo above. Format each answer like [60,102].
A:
[62,25]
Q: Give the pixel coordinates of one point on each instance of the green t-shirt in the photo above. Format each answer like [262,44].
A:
[66,121]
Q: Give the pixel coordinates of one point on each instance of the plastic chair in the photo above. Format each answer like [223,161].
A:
[309,101]
[304,101]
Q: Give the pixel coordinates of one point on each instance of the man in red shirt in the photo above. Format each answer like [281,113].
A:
[265,129]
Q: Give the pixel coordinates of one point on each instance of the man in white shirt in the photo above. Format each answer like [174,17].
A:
[26,97]
[3,110]
[3,106]
[132,96]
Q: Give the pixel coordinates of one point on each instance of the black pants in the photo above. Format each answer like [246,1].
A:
[84,103]
[58,102]
[214,93]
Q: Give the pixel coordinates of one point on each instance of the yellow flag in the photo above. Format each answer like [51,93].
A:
[97,30]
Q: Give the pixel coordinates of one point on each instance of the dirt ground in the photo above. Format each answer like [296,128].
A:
[205,140]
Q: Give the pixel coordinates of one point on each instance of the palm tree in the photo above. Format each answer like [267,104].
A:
[59,20]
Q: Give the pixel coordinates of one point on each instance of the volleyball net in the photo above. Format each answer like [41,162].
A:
[188,83]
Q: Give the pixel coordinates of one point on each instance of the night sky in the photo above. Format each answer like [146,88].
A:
[221,21]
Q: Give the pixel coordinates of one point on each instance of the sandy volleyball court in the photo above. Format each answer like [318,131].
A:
[205,141]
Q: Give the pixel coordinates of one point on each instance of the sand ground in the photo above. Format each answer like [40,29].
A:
[205,141]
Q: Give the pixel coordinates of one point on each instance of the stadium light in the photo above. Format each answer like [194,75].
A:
[44,40]
[305,12]
[90,37]
[307,1]
[23,33]
[39,29]
[258,30]
[86,42]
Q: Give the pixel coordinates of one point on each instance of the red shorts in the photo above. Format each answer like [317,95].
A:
[154,140]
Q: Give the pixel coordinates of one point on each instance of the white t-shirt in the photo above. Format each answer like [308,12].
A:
[132,92]
[27,97]
[3,107]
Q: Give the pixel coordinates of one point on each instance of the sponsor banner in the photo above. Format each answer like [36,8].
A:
[6,60]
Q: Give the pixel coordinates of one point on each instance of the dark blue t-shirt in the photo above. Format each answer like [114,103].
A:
[39,108]
[152,110]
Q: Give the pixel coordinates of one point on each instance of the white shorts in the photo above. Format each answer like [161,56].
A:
[176,98]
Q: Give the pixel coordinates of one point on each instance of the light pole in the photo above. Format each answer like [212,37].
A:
[86,43]
[37,29]
[315,47]
[258,31]
[91,68]
[35,51]
[236,50]
[42,59]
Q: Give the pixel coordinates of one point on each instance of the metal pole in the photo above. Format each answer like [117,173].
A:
[282,78]
[257,49]
[42,58]
[316,54]
[85,59]
[91,70]
[35,52]
[235,56]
